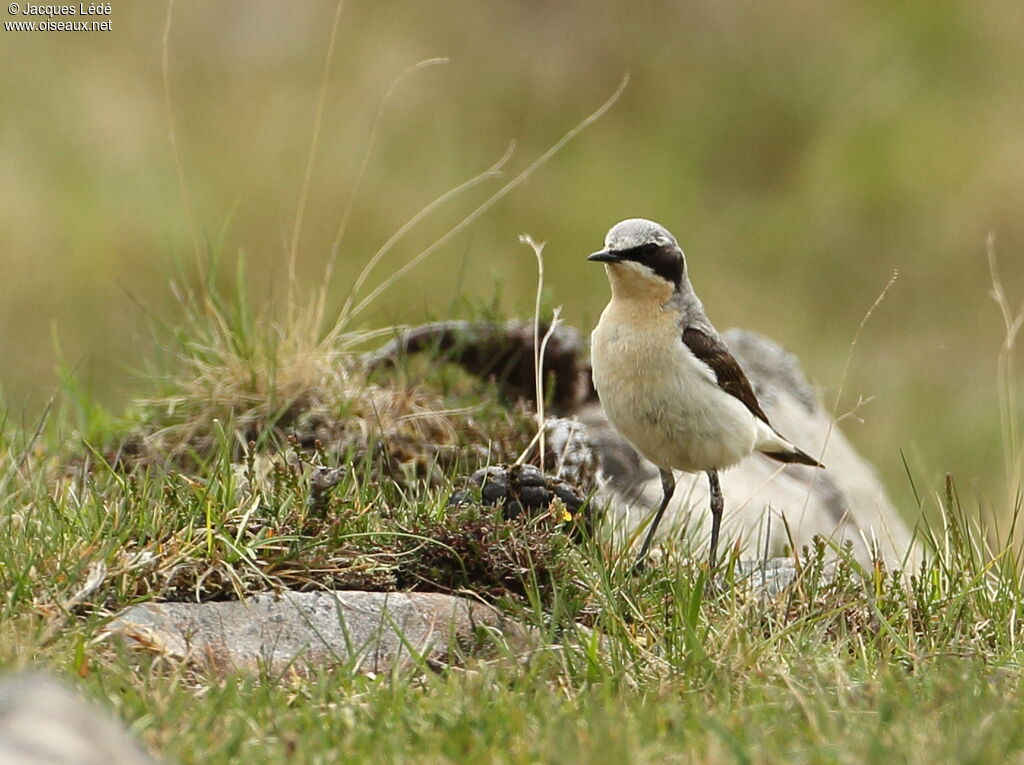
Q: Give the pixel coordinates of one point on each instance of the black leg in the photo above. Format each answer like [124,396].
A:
[668,488]
[717,505]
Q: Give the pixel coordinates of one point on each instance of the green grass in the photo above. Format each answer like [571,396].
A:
[807,711]
[818,150]
[874,665]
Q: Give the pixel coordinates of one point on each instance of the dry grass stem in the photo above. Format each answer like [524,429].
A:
[493,199]
[172,136]
[300,211]
[1006,363]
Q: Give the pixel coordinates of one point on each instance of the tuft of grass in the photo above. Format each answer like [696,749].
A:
[255,379]
[861,665]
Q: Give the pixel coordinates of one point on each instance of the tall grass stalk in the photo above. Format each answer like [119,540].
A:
[539,345]
[489,202]
[314,142]
[172,136]
[842,384]
[339,234]
[1006,365]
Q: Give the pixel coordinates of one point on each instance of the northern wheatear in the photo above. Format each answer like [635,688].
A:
[664,376]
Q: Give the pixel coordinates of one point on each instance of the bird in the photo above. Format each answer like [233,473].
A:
[666,379]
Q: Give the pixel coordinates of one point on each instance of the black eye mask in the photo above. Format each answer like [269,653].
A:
[666,262]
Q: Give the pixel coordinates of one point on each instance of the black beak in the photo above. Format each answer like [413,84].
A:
[605,256]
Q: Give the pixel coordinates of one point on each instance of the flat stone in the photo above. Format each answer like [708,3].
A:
[370,632]
[44,723]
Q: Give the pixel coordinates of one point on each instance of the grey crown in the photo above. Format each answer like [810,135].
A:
[636,232]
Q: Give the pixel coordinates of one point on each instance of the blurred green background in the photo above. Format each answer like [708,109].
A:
[800,151]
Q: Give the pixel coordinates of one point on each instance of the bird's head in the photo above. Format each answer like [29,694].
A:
[642,257]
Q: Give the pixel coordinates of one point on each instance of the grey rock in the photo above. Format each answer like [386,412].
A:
[367,631]
[765,502]
[44,723]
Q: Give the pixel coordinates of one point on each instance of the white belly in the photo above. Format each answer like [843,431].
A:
[665,402]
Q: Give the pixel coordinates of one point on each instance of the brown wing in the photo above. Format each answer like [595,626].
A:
[730,376]
[733,381]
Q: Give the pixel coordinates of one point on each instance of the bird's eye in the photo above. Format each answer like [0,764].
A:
[642,253]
